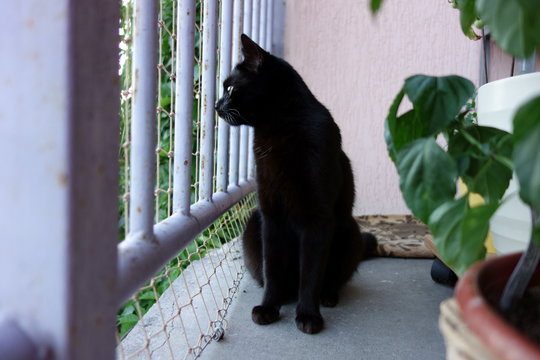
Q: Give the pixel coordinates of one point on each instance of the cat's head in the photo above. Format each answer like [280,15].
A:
[252,90]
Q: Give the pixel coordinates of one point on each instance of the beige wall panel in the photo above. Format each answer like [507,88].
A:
[355,64]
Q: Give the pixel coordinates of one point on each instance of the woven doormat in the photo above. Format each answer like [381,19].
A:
[397,235]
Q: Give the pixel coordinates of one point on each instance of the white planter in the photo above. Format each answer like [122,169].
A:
[498,102]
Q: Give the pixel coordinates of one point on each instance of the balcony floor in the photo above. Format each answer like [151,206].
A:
[389,310]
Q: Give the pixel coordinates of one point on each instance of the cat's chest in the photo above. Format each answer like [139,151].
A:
[279,170]
[273,166]
[275,159]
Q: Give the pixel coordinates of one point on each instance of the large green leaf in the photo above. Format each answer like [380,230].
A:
[402,130]
[427,176]
[467,17]
[445,224]
[514,24]
[405,129]
[438,100]
[479,152]
[459,232]
[527,154]
[436,103]
[389,125]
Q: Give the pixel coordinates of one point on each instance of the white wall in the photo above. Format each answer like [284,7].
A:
[355,64]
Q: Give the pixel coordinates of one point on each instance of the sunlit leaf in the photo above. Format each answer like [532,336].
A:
[147,295]
[128,319]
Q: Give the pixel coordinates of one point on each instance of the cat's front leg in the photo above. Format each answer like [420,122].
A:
[314,246]
[275,255]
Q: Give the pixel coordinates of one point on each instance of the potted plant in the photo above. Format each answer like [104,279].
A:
[439,141]
[497,103]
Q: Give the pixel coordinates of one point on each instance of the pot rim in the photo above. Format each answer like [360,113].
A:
[505,341]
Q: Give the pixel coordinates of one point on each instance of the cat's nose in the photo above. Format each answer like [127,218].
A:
[218,105]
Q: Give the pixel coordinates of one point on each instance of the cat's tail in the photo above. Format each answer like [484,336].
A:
[370,244]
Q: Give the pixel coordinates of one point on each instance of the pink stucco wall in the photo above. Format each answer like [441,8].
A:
[355,64]
[501,65]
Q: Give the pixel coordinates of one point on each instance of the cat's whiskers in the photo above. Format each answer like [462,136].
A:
[232,119]
[262,152]
[237,113]
[228,118]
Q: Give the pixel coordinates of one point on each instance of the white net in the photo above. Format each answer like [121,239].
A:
[183,307]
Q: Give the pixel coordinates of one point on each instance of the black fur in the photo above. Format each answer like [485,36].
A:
[302,243]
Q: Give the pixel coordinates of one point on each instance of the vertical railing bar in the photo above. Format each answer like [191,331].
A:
[208,97]
[255,27]
[184,106]
[170,152]
[143,126]
[246,26]
[278,27]
[244,130]
[59,135]
[158,117]
[255,16]
[262,26]
[269,25]
[528,65]
[234,148]
[224,69]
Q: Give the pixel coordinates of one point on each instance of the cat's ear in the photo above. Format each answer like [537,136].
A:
[253,53]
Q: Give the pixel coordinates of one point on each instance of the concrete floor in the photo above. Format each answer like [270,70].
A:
[388,311]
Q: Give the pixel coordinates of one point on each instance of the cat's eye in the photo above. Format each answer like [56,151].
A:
[230,89]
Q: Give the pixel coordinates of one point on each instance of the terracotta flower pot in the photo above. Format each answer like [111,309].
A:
[487,280]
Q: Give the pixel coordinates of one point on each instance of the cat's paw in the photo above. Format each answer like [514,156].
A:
[264,315]
[329,300]
[309,324]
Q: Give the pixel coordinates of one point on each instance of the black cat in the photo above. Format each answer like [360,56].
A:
[302,243]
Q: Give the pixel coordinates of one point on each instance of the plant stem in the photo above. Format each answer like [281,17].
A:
[524,270]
